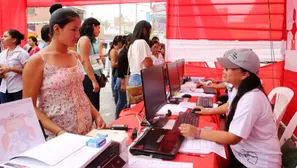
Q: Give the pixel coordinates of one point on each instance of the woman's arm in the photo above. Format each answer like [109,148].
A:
[84,45]
[216,86]
[97,117]
[114,58]
[222,137]
[5,69]
[219,110]
[31,87]
[147,62]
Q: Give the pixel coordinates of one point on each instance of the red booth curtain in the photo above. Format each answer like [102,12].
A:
[225,19]
[13,15]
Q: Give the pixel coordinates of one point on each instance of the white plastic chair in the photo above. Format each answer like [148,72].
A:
[289,129]
[283,97]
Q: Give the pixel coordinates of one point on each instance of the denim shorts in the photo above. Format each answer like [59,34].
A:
[135,80]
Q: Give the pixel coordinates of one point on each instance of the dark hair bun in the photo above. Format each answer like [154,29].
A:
[22,36]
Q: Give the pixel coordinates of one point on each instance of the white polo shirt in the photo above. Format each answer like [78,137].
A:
[253,122]
[138,51]
[16,59]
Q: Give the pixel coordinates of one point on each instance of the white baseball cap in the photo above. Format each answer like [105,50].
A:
[241,58]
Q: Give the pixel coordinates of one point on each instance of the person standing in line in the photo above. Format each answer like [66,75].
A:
[117,44]
[89,53]
[120,86]
[139,54]
[34,45]
[62,104]
[12,62]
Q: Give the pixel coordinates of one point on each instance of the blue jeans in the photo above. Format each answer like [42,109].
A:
[114,93]
[135,80]
[122,98]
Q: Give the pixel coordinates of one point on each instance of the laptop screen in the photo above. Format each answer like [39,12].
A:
[174,81]
[154,94]
[181,69]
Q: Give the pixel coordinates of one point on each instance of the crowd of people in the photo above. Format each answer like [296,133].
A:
[65,90]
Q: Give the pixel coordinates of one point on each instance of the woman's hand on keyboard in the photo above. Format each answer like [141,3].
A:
[200,110]
[188,130]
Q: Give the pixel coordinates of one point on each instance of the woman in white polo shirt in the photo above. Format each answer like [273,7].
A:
[12,61]
[139,53]
[251,133]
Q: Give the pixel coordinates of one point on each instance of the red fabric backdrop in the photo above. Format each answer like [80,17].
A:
[225,19]
[13,15]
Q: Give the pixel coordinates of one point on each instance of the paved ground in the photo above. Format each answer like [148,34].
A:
[107,106]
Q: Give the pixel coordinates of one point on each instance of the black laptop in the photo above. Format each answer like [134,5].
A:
[158,142]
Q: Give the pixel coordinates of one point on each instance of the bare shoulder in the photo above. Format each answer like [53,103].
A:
[83,40]
[35,61]
[76,54]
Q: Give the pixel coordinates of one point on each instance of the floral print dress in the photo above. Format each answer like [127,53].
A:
[63,100]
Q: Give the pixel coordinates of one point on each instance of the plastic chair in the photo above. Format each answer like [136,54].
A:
[289,129]
[283,97]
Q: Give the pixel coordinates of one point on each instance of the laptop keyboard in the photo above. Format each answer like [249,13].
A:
[205,102]
[186,118]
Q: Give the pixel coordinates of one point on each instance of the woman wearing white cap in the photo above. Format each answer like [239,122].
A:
[251,133]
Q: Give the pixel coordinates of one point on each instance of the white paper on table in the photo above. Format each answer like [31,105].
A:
[169,125]
[194,90]
[55,150]
[82,157]
[174,108]
[197,79]
[188,85]
[148,162]
[187,105]
[200,146]
[205,82]
[195,94]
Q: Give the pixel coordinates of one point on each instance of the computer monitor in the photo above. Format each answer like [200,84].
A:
[181,69]
[173,78]
[154,93]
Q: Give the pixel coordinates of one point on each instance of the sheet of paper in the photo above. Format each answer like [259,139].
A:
[195,94]
[174,108]
[169,125]
[196,79]
[82,157]
[187,105]
[205,82]
[19,129]
[194,90]
[188,85]
[148,162]
[200,146]
[57,149]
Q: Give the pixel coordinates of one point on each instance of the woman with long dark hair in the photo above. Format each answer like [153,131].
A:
[251,134]
[120,86]
[117,44]
[12,63]
[88,50]
[62,104]
[139,54]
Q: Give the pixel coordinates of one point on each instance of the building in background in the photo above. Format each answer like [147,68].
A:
[38,17]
